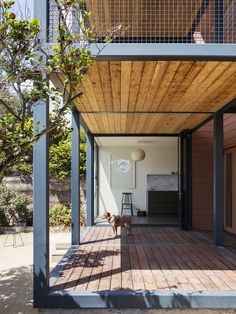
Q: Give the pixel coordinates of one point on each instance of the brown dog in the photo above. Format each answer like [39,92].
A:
[117,221]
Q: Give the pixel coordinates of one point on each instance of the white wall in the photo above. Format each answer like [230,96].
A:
[158,160]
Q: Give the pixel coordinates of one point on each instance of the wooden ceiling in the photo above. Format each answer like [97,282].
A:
[149,18]
[154,96]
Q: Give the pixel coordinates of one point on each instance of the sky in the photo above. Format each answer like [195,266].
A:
[24,7]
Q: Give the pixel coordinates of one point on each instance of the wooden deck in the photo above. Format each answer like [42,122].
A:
[229,240]
[151,258]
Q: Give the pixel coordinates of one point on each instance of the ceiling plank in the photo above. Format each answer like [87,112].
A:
[104,72]
[95,80]
[126,68]
[165,84]
[128,94]
[115,71]
[136,76]
[160,70]
[180,75]
[147,75]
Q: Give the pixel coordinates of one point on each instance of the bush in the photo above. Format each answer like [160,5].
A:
[60,155]
[13,207]
[60,216]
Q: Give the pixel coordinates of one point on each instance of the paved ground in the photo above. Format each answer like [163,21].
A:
[16,272]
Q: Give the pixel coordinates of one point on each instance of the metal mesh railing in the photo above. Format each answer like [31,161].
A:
[160,21]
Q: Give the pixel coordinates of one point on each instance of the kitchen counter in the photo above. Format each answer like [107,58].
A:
[162,182]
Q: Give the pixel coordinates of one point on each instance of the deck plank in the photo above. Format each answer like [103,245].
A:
[150,258]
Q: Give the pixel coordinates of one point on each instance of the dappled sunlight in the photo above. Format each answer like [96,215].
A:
[16,290]
[106,196]
[151,259]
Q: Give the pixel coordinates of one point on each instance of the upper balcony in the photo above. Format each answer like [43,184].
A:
[161,28]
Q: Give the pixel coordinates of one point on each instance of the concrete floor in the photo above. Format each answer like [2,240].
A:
[16,272]
[155,220]
[161,220]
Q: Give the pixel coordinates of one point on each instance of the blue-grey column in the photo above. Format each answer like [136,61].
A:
[41,204]
[219,21]
[90,180]
[75,178]
[41,182]
[218,204]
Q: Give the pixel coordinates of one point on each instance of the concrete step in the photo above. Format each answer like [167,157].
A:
[62,246]
[57,256]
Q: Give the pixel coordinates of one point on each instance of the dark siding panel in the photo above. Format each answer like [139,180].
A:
[228,194]
[202,170]
[229,130]
[202,178]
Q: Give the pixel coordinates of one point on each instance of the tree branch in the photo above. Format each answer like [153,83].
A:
[10,110]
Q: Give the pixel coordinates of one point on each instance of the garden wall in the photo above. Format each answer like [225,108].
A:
[60,190]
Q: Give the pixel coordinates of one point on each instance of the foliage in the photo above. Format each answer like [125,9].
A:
[60,216]
[26,64]
[13,207]
[60,155]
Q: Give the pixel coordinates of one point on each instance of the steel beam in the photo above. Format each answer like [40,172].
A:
[156,52]
[136,134]
[128,299]
[41,204]
[90,179]
[197,20]
[218,203]
[149,112]
[219,21]
[75,178]
[142,52]
[186,180]
[41,183]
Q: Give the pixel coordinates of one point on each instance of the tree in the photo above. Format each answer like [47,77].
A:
[59,157]
[25,65]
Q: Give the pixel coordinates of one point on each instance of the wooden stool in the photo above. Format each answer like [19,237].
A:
[127,202]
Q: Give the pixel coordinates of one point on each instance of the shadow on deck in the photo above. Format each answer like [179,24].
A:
[150,259]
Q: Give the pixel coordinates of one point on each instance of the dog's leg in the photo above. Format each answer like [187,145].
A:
[115,230]
[127,228]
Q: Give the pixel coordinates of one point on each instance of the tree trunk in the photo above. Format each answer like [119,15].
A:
[3,167]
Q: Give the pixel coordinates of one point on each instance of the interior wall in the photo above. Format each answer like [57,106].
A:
[202,178]
[159,160]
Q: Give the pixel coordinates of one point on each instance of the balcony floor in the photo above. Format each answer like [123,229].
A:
[151,258]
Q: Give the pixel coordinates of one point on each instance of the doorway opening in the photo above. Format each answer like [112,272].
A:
[153,181]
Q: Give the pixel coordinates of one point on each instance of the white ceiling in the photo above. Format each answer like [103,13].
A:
[136,141]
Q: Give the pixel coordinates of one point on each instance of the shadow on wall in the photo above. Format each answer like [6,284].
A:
[16,291]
